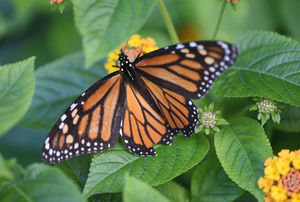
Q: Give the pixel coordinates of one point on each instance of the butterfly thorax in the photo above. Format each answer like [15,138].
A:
[126,67]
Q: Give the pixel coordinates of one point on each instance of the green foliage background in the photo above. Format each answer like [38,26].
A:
[47,59]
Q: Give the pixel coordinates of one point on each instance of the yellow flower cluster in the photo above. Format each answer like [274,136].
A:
[135,46]
[282,177]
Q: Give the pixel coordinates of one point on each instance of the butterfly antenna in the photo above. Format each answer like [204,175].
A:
[126,45]
[141,52]
[115,53]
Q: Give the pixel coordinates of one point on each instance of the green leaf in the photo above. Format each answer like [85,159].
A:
[106,24]
[246,197]
[221,121]
[259,116]
[108,168]
[268,66]
[5,172]
[57,85]
[10,171]
[136,190]
[216,129]
[211,107]
[253,108]
[16,91]
[107,197]
[242,149]
[20,15]
[211,183]
[23,144]
[77,168]
[264,120]
[289,15]
[42,183]
[289,120]
[174,191]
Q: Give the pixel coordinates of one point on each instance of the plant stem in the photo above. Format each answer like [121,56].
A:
[219,19]
[168,22]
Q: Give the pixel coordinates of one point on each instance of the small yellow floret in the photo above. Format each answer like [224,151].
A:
[295,198]
[261,182]
[148,45]
[272,173]
[267,185]
[283,166]
[278,193]
[135,41]
[296,162]
[109,66]
[286,155]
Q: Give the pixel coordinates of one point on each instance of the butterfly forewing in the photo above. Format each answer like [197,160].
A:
[91,124]
[187,68]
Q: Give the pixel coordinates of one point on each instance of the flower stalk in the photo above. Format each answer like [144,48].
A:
[168,22]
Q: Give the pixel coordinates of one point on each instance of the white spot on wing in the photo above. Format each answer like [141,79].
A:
[61,125]
[193,44]
[179,46]
[63,117]
[73,106]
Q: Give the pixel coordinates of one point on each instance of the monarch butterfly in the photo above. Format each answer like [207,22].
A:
[146,102]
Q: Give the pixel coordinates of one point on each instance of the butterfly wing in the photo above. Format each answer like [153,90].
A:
[188,69]
[143,125]
[91,124]
[180,112]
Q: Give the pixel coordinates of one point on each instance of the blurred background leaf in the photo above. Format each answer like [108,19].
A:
[16,91]
[24,144]
[290,119]
[288,16]
[57,85]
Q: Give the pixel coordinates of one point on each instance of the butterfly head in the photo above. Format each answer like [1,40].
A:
[123,59]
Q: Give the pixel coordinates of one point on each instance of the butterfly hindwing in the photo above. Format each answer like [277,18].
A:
[143,125]
[87,126]
[187,68]
[180,112]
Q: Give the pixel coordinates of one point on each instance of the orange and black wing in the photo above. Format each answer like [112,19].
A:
[91,124]
[143,125]
[180,112]
[188,69]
